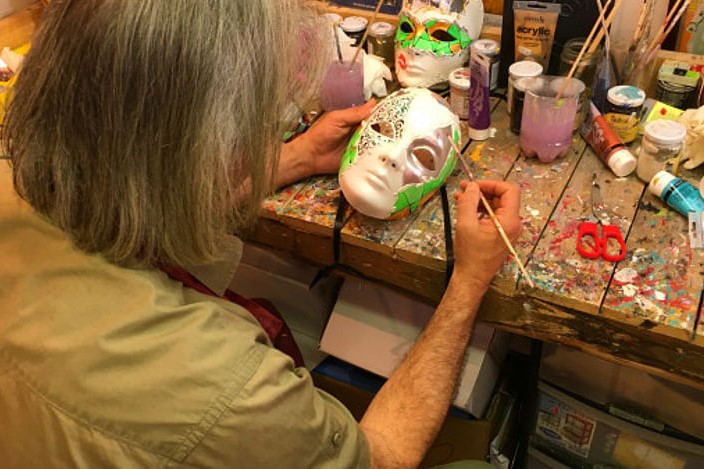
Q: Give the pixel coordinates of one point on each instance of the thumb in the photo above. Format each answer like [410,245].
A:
[354,115]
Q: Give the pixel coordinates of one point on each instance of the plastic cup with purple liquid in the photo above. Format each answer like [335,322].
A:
[343,86]
[548,122]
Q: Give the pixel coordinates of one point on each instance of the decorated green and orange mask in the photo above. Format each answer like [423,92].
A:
[433,39]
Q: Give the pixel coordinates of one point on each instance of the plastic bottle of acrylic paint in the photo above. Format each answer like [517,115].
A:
[677,193]
[606,144]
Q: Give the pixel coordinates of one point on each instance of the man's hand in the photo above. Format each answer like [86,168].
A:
[479,249]
[320,149]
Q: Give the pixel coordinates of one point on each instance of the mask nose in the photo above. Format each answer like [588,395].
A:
[389,161]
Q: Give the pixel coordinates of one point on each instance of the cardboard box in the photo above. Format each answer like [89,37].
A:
[373,327]
[458,439]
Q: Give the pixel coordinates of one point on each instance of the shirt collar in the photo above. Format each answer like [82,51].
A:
[217,275]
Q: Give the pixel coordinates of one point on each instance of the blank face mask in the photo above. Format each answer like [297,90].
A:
[433,39]
[400,155]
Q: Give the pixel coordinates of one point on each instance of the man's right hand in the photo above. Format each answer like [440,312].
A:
[479,249]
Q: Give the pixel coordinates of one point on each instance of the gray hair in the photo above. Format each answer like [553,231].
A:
[134,123]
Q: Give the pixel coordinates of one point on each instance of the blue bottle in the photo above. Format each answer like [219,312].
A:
[677,193]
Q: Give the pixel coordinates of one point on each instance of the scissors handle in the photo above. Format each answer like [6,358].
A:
[599,243]
[612,232]
[589,229]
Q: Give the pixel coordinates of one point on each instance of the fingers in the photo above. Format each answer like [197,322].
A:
[468,200]
[354,115]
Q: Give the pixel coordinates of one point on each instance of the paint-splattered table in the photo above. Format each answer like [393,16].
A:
[643,311]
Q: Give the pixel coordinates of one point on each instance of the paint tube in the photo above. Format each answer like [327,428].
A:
[606,144]
[479,119]
[534,26]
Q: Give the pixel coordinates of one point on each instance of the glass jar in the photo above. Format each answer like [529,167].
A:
[518,70]
[380,41]
[587,65]
[662,142]
[354,27]
[585,71]
[675,94]
[459,92]
[624,104]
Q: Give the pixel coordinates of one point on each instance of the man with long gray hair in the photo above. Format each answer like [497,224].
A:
[141,135]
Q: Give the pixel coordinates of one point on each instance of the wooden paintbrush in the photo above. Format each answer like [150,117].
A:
[492,215]
[366,33]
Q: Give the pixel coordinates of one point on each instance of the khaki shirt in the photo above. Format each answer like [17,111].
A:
[103,366]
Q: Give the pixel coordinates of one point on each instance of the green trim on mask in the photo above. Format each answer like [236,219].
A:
[412,196]
[426,43]
[350,151]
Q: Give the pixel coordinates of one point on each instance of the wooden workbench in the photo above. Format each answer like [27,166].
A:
[643,311]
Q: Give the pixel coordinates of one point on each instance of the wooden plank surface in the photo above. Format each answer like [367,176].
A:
[643,311]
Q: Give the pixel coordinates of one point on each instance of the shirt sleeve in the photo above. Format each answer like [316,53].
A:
[280,419]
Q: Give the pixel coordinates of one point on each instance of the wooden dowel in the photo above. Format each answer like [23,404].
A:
[582,51]
[366,33]
[492,215]
[609,20]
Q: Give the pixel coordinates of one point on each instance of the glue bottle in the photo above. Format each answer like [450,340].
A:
[677,193]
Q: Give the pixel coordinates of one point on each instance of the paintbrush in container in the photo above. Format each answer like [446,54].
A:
[366,33]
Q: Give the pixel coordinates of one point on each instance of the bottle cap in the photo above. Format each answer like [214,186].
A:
[622,162]
[479,134]
[459,78]
[659,182]
[488,47]
[354,24]
[626,96]
[333,18]
[525,68]
[381,29]
[665,132]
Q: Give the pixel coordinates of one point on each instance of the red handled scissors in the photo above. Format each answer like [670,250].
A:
[598,244]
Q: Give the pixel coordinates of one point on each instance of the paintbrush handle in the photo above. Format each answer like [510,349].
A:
[366,33]
[607,22]
[585,47]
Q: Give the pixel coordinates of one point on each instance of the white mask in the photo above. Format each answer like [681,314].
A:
[400,155]
[433,39]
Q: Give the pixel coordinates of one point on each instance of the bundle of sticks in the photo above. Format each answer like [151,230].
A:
[642,52]
[597,33]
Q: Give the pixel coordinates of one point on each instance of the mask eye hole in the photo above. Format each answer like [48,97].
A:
[425,157]
[384,128]
[442,35]
[406,27]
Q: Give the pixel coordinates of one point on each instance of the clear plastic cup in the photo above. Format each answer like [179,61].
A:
[547,123]
[343,86]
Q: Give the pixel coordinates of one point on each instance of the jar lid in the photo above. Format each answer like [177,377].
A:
[488,47]
[665,131]
[354,24]
[525,68]
[622,163]
[626,95]
[574,86]
[529,83]
[333,18]
[659,182]
[459,77]
[381,29]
